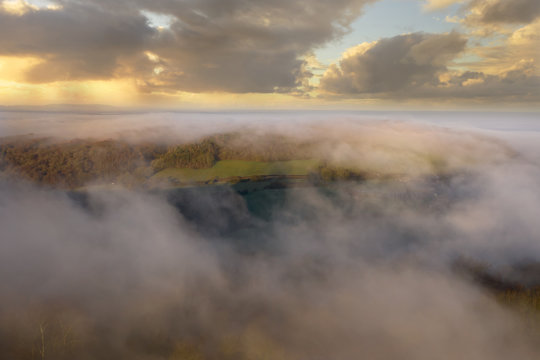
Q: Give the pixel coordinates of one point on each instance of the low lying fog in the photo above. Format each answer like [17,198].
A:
[347,271]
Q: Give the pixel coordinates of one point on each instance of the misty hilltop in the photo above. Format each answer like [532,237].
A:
[234,156]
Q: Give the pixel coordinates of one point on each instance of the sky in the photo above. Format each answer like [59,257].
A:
[307,54]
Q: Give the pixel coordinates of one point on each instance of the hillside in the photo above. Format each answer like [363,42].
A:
[76,163]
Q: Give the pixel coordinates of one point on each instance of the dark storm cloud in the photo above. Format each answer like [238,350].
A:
[211,45]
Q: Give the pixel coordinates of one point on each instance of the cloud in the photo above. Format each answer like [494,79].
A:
[393,64]
[519,46]
[210,45]
[171,51]
[345,271]
[76,42]
[440,4]
[491,11]
[246,46]
[420,65]
[16,7]
[519,83]
[503,11]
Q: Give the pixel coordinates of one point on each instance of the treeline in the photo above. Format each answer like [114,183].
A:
[71,164]
[193,156]
[233,146]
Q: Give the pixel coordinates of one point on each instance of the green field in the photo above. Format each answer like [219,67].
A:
[231,168]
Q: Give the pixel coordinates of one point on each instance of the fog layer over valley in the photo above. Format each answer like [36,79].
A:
[422,260]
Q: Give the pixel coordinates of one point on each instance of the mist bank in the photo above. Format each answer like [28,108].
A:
[347,269]
[100,123]
[342,271]
[343,147]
